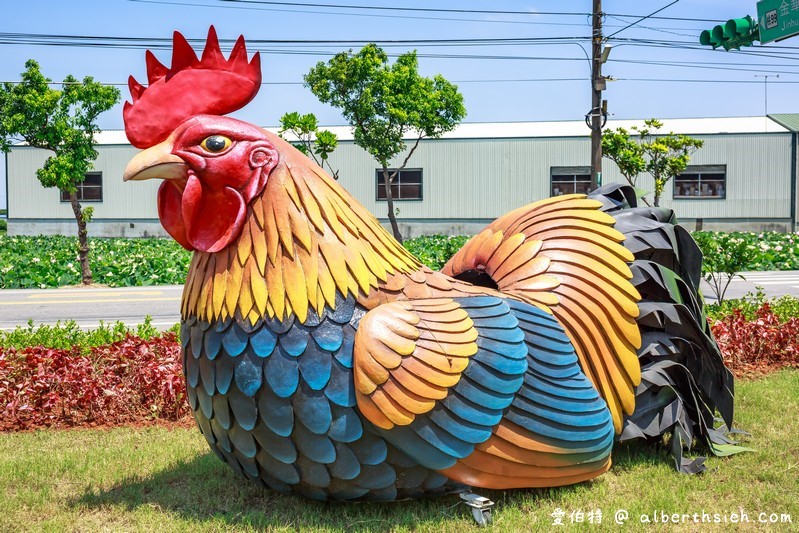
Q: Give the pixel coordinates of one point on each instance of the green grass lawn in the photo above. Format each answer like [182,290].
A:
[167,480]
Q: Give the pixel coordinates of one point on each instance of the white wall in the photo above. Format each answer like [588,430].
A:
[3,199]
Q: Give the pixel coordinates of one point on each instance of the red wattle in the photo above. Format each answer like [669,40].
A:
[169,211]
[213,217]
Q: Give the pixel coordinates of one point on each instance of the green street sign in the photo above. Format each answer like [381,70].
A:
[777,19]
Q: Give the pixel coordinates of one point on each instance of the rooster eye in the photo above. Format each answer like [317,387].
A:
[216,144]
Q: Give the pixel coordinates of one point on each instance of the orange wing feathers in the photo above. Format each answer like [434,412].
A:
[563,255]
[407,355]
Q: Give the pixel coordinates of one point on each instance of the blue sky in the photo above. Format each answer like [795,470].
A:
[660,69]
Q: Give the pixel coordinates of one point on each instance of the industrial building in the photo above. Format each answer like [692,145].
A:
[743,178]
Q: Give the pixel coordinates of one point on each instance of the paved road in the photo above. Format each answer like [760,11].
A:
[773,284]
[88,307]
[130,305]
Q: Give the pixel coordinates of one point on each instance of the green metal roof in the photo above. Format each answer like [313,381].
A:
[787,120]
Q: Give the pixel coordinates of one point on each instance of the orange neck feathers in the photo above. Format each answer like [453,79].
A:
[305,238]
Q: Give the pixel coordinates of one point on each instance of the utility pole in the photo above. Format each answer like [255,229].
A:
[598,107]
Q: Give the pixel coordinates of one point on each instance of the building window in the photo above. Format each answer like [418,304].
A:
[701,182]
[90,190]
[570,180]
[407,184]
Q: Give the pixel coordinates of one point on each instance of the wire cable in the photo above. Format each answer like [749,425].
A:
[642,19]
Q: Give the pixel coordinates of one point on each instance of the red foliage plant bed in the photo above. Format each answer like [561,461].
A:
[130,381]
[137,381]
[752,347]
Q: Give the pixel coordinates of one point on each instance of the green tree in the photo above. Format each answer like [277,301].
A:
[725,256]
[310,140]
[385,103]
[663,156]
[62,122]
[627,154]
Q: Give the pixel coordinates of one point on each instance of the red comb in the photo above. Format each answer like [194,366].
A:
[210,86]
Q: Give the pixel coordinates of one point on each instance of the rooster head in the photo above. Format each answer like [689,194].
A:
[212,165]
[212,168]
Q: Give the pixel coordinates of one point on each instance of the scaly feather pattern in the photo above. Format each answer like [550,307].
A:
[407,356]
[276,401]
[485,389]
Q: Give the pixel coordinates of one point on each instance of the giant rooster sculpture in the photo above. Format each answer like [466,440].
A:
[322,358]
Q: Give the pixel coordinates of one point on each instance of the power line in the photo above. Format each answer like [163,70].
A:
[414,9]
[680,65]
[673,80]
[253,6]
[642,19]
[705,63]
[279,47]
[146,41]
[373,15]
[107,41]
[685,45]
[652,28]
[650,16]
[752,54]
[268,46]
[501,81]
[445,10]
[161,42]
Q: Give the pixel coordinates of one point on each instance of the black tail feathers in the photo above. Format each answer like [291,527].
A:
[684,380]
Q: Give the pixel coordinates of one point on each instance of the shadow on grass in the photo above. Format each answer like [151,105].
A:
[206,491]
[636,454]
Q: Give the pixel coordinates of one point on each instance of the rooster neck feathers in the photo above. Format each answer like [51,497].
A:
[304,239]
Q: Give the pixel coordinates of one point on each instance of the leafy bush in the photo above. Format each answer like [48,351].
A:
[62,376]
[131,380]
[756,334]
[725,256]
[51,261]
[435,250]
[759,345]
[68,334]
[784,307]
[770,250]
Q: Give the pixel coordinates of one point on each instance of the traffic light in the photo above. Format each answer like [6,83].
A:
[714,37]
[734,34]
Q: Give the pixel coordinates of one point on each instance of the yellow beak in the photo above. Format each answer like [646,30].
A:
[156,162]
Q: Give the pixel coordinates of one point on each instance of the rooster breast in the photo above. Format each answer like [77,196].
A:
[275,400]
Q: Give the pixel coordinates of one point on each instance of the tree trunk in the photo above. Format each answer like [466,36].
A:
[83,239]
[656,174]
[658,191]
[390,203]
